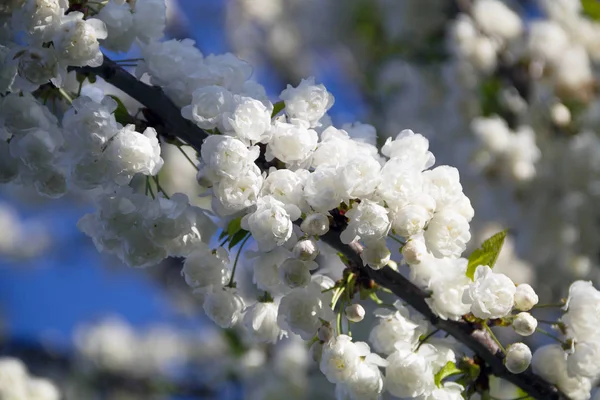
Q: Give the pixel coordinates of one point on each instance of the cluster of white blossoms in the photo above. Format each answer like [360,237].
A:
[53,41]
[516,152]
[16,383]
[282,178]
[574,367]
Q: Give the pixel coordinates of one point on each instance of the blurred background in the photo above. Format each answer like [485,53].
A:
[496,95]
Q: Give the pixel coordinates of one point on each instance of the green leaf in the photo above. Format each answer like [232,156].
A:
[121,114]
[277,107]
[487,254]
[238,237]
[447,370]
[234,226]
[223,235]
[591,8]
[489,96]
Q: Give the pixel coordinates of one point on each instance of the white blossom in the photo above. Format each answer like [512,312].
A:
[210,107]
[76,40]
[368,222]
[270,224]
[447,234]
[260,320]
[224,307]
[307,101]
[491,294]
[291,143]
[341,358]
[250,120]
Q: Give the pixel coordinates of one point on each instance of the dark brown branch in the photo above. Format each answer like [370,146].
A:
[466,333]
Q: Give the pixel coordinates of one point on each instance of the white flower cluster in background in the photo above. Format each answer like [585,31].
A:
[21,238]
[516,152]
[16,383]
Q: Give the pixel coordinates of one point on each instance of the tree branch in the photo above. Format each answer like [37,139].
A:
[467,333]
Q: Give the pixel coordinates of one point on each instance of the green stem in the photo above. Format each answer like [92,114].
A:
[396,239]
[543,321]
[339,319]
[187,157]
[543,332]
[149,188]
[159,188]
[65,95]
[223,242]
[426,338]
[79,89]
[493,336]
[560,305]
[235,263]
[336,296]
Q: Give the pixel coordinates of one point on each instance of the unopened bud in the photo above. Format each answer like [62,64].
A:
[518,358]
[306,250]
[315,224]
[525,297]
[524,324]
[355,312]
[414,251]
[560,114]
[325,333]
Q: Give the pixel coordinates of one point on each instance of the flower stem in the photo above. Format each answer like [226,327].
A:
[493,336]
[159,188]
[396,239]
[149,188]
[426,338]
[544,332]
[187,157]
[235,263]
[65,95]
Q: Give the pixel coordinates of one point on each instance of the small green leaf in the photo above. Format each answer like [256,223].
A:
[238,237]
[447,370]
[234,226]
[591,8]
[487,254]
[121,114]
[277,107]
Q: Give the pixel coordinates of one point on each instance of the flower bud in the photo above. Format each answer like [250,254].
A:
[325,333]
[315,224]
[355,312]
[306,250]
[525,297]
[414,251]
[560,114]
[518,358]
[524,324]
[294,273]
